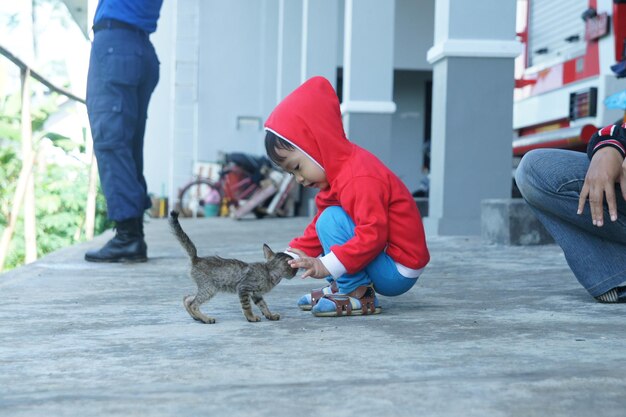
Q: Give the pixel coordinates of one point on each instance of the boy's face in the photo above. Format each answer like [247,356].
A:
[306,172]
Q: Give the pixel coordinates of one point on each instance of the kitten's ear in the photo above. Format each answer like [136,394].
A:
[267,252]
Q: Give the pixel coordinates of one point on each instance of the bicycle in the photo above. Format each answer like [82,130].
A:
[246,184]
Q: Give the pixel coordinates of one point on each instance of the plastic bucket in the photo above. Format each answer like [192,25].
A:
[211,210]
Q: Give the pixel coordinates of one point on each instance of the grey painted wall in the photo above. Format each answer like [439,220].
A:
[159,126]
[415,24]
[476,20]
[269,52]
[372,52]
[414,32]
[323,39]
[231,77]
[408,125]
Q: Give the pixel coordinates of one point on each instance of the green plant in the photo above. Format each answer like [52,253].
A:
[10,163]
[60,185]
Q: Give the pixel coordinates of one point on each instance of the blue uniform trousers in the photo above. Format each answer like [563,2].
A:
[123,72]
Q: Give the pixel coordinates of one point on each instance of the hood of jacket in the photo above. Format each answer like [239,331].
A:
[310,119]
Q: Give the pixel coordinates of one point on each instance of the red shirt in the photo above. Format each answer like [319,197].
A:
[382,208]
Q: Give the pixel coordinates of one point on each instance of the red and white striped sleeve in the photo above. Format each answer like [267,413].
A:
[612,135]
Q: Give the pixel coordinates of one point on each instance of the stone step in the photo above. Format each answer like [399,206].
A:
[510,221]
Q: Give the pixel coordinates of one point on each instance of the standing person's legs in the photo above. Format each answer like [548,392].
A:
[144,93]
[117,75]
[550,181]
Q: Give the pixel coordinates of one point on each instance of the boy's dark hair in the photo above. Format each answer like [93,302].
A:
[273,142]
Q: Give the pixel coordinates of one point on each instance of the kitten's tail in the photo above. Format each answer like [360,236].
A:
[182,237]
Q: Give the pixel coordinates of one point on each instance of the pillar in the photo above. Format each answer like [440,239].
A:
[367,104]
[471,155]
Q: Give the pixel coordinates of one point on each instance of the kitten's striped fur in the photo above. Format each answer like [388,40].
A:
[213,274]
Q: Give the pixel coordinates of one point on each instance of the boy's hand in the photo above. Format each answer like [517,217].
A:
[313,267]
[605,170]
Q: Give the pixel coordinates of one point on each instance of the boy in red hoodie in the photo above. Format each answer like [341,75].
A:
[367,226]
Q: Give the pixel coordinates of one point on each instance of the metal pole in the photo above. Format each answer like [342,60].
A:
[30,232]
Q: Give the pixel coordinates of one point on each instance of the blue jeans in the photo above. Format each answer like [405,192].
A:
[335,227]
[123,72]
[550,181]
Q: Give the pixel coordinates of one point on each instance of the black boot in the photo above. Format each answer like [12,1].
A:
[128,244]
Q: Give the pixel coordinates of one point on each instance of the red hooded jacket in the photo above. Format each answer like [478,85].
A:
[382,208]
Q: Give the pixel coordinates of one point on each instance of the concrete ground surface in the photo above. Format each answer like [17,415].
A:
[486,331]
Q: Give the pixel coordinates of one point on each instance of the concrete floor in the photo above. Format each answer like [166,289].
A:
[487,331]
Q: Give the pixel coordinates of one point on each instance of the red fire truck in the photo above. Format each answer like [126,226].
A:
[574,58]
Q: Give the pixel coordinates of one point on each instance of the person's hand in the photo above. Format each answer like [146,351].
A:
[313,267]
[607,168]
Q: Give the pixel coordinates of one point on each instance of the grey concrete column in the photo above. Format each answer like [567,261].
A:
[318,56]
[319,39]
[368,74]
[471,156]
[307,42]
[171,140]
[184,84]
[289,47]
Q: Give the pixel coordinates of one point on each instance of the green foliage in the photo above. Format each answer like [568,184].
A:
[40,114]
[60,201]
[62,142]
[102,221]
[7,130]
[60,187]
[10,166]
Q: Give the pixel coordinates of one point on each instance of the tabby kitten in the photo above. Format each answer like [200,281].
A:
[213,274]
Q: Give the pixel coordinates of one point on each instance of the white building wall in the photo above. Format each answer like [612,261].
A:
[220,79]
[230,77]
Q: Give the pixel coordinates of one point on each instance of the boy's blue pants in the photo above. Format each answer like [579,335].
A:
[335,227]
[123,72]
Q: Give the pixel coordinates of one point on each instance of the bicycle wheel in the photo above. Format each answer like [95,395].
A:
[192,197]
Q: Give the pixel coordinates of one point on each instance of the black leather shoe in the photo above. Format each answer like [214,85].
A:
[128,245]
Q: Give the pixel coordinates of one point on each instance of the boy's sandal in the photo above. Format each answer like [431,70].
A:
[360,302]
[308,301]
